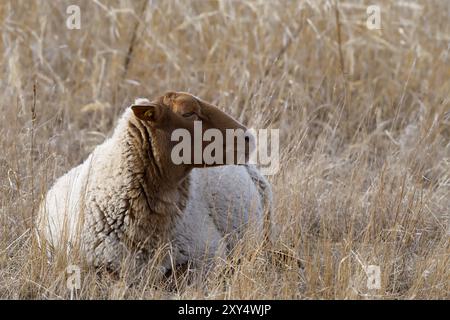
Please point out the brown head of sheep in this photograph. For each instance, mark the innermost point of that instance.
(179, 110)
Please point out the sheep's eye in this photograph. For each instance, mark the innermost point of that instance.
(189, 114)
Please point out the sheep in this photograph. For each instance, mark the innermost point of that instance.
(128, 197)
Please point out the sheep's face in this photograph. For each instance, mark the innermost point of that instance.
(204, 122)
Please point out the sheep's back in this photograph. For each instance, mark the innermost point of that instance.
(224, 202)
(229, 196)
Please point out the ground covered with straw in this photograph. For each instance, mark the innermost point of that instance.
(364, 179)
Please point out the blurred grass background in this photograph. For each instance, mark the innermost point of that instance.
(364, 125)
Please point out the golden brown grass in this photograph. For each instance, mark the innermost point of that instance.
(365, 166)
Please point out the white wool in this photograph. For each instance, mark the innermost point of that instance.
(224, 202)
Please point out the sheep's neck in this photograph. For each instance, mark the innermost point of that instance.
(163, 185)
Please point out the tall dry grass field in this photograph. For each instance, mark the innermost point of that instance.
(364, 135)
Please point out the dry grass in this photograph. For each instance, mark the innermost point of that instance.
(365, 168)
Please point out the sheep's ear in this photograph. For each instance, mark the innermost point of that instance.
(147, 112)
